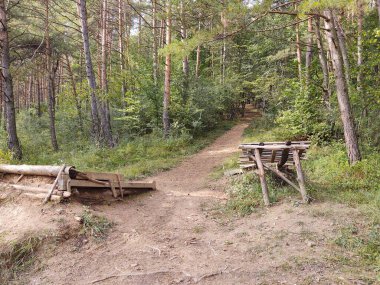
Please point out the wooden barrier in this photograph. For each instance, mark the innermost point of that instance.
(276, 157)
(68, 178)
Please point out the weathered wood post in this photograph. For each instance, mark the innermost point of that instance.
(300, 176)
(264, 186)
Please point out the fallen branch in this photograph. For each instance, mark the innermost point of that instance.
(210, 275)
(131, 274)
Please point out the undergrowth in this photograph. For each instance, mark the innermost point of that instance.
(133, 156)
(329, 178)
(95, 226)
(246, 196)
(18, 256)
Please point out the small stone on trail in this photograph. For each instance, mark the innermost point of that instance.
(311, 244)
(134, 265)
(78, 219)
(60, 211)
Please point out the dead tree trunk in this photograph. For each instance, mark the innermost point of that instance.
(350, 135)
(13, 142)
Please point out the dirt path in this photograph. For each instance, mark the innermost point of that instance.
(169, 237)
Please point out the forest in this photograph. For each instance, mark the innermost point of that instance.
(97, 74)
(136, 86)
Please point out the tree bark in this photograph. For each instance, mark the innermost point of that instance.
(75, 93)
(50, 75)
(299, 53)
(185, 60)
(309, 50)
(224, 48)
(89, 70)
(13, 142)
(39, 95)
(105, 112)
(122, 51)
(154, 43)
(343, 47)
(166, 105)
(324, 65)
(360, 48)
(350, 135)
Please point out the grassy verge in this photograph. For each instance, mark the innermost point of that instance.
(329, 178)
(18, 256)
(133, 157)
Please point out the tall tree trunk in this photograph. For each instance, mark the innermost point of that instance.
(185, 60)
(350, 135)
(122, 51)
(39, 95)
(309, 51)
(360, 48)
(50, 75)
(104, 112)
(165, 116)
(299, 53)
(139, 28)
(13, 142)
(75, 93)
(224, 47)
(378, 9)
(154, 43)
(343, 47)
(198, 58)
(30, 92)
(89, 70)
(324, 65)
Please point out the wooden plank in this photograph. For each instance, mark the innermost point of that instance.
(300, 177)
(283, 177)
(284, 158)
(90, 184)
(273, 157)
(277, 147)
(42, 196)
(48, 196)
(264, 186)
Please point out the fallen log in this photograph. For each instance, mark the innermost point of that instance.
(43, 170)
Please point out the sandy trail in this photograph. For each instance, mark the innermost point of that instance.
(169, 237)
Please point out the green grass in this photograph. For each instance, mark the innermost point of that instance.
(329, 178)
(133, 157)
(95, 226)
(246, 196)
(18, 256)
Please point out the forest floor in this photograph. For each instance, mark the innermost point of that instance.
(176, 235)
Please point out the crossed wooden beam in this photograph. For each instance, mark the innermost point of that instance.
(276, 157)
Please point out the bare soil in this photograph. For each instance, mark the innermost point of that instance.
(171, 236)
